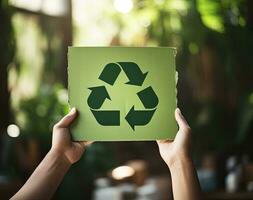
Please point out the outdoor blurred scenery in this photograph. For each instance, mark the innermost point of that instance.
(214, 41)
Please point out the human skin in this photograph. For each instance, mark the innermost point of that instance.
(176, 154)
(48, 175)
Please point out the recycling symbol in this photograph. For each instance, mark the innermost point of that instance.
(99, 94)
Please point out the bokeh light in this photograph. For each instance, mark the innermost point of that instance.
(123, 6)
(13, 130)
(122, 172)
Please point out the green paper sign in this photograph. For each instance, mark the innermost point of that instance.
(122, 93)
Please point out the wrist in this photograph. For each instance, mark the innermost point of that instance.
(60, 156)
(179, 160)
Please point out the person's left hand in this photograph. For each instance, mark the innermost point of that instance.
(179, 149)
(61, 142)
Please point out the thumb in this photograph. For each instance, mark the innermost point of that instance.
(182, 123)
(67, 119)
(86, 143)
(184, 128)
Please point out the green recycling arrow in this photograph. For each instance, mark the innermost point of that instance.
(133, 73)
(97, 97)
(107, 117)
(139, 117)
(99, 94)
(148, 98)
(110, 73)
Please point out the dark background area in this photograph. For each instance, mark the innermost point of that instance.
(214, 41)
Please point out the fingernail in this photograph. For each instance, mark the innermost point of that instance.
(72, 111)
(179, 111)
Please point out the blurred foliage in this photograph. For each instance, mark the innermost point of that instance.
(36, 118)
(7, 42)
(214, 60)
(215, 65)
(245, 119)
(37, 115)
(7, 49)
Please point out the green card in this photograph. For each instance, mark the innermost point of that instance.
(122, 93)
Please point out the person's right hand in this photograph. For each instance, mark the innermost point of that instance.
(172, 151)
(61, 141)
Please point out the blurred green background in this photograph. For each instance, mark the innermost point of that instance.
(214, 39)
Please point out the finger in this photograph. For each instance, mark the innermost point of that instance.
(67, 119)
(86, 143)
(182, 123)
(163, 141)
